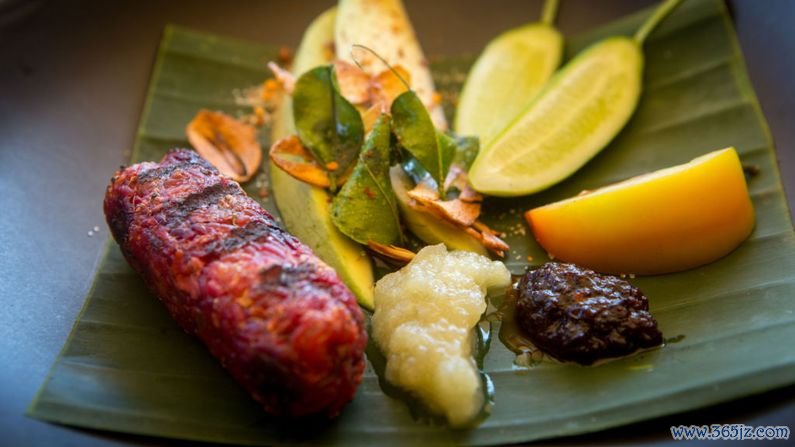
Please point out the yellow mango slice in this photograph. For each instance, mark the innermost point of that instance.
(670, 220)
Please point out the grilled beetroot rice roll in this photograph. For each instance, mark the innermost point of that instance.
(279, 319)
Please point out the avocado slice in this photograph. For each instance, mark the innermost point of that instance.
(305, 208)
(429, 229)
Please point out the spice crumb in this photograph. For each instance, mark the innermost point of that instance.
(751, 170)
(285, 55)
(263, 192)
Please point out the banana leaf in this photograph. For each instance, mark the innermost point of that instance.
(127, 367)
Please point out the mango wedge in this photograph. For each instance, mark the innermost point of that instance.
(670, 220)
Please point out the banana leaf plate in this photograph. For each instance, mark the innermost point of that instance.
(127, 367)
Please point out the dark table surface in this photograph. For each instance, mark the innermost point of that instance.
(73, 75)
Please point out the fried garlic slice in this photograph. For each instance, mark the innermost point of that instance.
(228, 144)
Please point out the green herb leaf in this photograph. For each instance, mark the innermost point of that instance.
(466, 149)
(328, 125)
(365, 208)
(415, 132)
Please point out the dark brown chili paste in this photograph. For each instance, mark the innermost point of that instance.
(575, 314)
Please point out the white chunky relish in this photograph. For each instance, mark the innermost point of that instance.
(423, 321)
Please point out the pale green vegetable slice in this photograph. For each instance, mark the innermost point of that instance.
(384, 27)
(305, 208)
(507, 75)
(577, 114)
(428, 228)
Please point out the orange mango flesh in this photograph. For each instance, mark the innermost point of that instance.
(670, 220)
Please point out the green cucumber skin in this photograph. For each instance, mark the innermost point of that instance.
(609, 128)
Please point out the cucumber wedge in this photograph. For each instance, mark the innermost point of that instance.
(506, 77)
(305, 208)
(384, 27)
(429, 229)
(578, 112)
